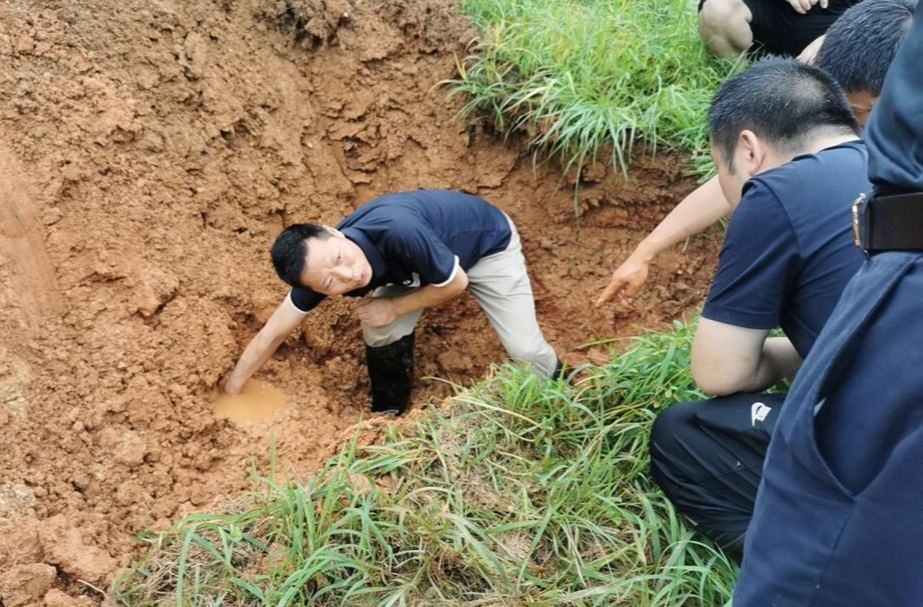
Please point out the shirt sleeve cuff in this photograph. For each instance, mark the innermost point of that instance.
(451, 276)
(288, 298)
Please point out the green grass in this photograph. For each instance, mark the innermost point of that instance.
(587, 79)
(518, 491)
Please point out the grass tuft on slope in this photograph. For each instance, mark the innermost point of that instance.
(586, 79)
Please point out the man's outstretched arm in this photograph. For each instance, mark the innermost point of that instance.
(728, 359)
(263, 345)
(700, 209)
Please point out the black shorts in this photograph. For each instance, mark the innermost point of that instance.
(779, 30)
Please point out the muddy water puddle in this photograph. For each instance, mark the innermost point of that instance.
(257, 402)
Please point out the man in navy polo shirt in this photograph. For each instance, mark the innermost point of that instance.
(402, 253)
(838, 519)
(856, 51)
(788, 156)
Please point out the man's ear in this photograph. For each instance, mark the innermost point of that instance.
(751, 152)
(334, 232)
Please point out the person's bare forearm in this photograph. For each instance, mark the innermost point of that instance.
(263, 346)
(692, 215)
(258, 351)
(696, 212)
(779, 360)
(429, 296)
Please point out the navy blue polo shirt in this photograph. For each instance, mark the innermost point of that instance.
(788, 252)
(416, 238)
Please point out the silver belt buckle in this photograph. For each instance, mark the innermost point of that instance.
(856, 220)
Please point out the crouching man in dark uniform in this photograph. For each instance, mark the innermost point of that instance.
(402, 253)
(838, 520)
(788, 156)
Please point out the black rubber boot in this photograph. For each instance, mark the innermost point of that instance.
(391, 375)
(559, 371)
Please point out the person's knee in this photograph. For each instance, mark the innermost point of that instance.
(376, 337)
(718, 16)
(540, 356)
(378, 340)
(671, 425)
(725, 26)
(676, 443)
(381, 338)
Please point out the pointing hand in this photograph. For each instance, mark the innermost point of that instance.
(626, 281)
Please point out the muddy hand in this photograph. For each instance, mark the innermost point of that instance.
(625, 282)
(376, 312)
(226, 386)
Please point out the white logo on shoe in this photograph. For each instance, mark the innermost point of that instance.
(758, 413)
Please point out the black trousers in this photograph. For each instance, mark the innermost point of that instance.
(707, 457)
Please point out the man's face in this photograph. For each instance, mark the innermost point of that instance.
(335, 265)
(861, 103)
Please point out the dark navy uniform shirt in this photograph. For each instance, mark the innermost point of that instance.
(416, 238)
(838, 520)
(788, 252)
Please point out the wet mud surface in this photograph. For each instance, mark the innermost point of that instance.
(150, 152)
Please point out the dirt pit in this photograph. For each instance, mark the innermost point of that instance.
(150, 152)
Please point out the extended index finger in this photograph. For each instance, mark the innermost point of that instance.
(609, 292)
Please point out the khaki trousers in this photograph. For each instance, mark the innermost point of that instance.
(500, 284)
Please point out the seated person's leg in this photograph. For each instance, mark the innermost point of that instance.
(730, 27)
(725, 26)
(707, 457)
(793, 32)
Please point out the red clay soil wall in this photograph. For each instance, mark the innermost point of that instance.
(150, 152)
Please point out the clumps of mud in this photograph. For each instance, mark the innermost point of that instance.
(310, 23)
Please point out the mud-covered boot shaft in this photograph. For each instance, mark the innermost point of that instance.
(391, 375)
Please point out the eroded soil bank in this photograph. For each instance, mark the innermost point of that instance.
(150, 152)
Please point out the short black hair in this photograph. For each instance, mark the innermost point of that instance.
(861, 44)
(781, 100)
(290, 247)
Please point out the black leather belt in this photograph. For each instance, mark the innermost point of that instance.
(889, 222)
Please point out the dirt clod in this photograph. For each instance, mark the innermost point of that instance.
(74, 553)
(25, 585)
(20, 543)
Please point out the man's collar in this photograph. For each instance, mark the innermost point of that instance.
(379, 268)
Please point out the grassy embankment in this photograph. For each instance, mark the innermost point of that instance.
(517, 491)
(588, 79)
